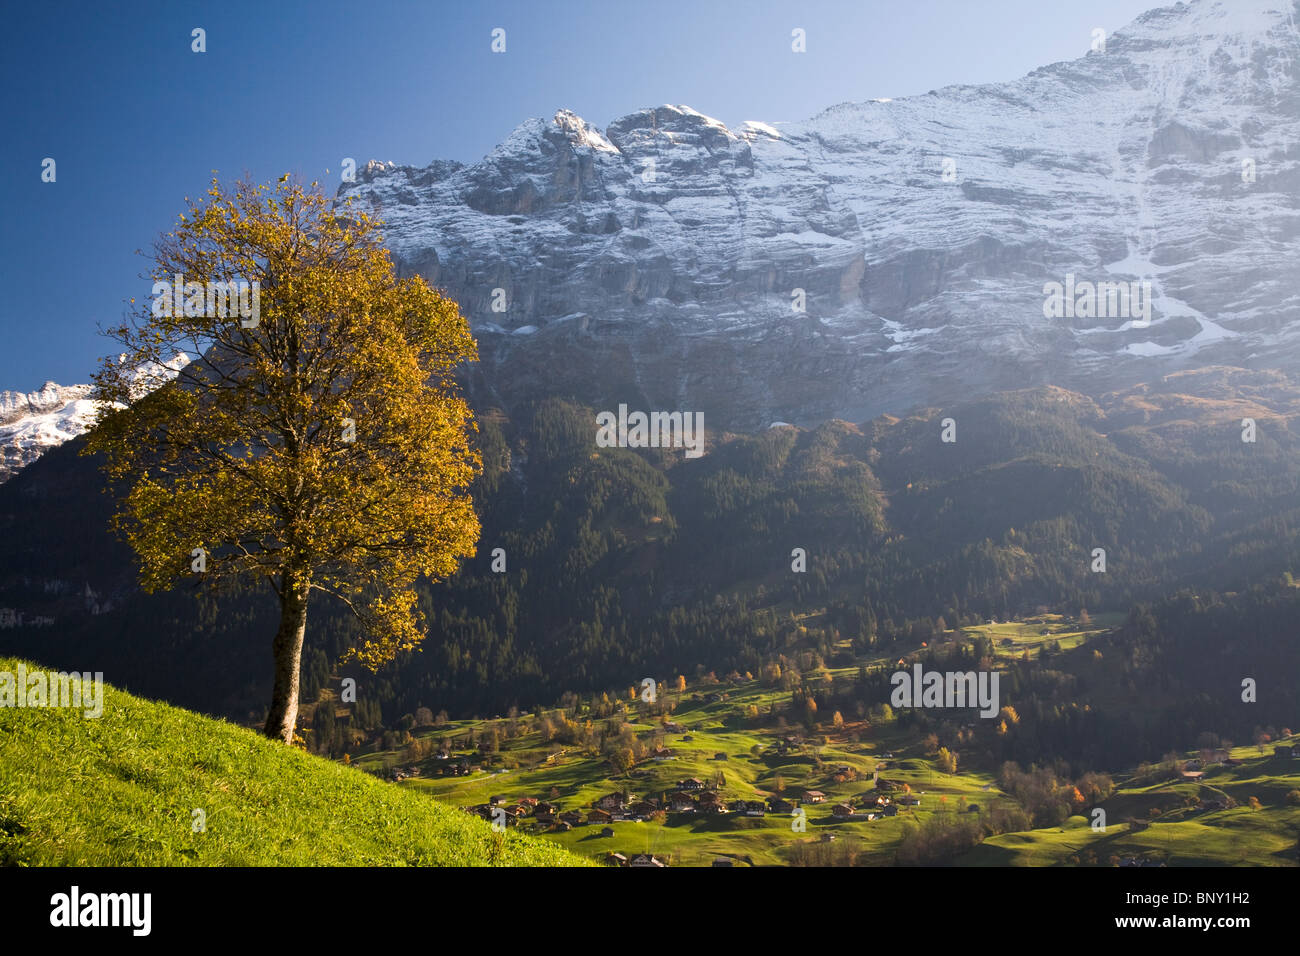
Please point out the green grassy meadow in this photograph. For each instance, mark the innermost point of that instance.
(121, 790)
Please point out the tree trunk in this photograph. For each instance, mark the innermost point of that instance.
(283, 716)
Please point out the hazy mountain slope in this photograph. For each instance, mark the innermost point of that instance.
(620, 560)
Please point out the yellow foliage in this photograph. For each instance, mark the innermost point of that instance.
(246, 455)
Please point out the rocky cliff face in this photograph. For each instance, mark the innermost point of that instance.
(661, 261)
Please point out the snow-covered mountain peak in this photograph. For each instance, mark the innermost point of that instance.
(889, 252)
(582, 133)
(31, 423)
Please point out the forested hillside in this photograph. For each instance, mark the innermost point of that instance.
(621, 564)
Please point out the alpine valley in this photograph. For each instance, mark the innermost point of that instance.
(924, 451)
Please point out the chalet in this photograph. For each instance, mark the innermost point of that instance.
(814, 796)
(616, 859)
(738, 806)
(691, 783)
(646, 860)
(1193, 776)
(688, 739)
(754, 808)
(613, 801)
(890, 811)
(563, 827)
(528, 801)
(778, 805)
(571, 817)
(842, 811)
(1285, 750)
(882, 801)
(600, 816)
(723, 861)
(607, 832)
(673, 728)
(973, 808)
(642, 808)
(544, 816)
(681, 803)
(910, 800)
(496, 801)
(720, 756)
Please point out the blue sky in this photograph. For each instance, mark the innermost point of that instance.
(136, 121)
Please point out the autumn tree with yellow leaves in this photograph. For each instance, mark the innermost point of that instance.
(321, 447)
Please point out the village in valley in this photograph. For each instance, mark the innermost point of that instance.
(738, 771)
(693, 798)
(703, 804)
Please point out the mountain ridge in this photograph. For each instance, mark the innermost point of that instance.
(659, 261)
(656, 261)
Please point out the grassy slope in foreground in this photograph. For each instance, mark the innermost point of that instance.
(121, 790)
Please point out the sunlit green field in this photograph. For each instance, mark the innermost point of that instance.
(122, 790)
